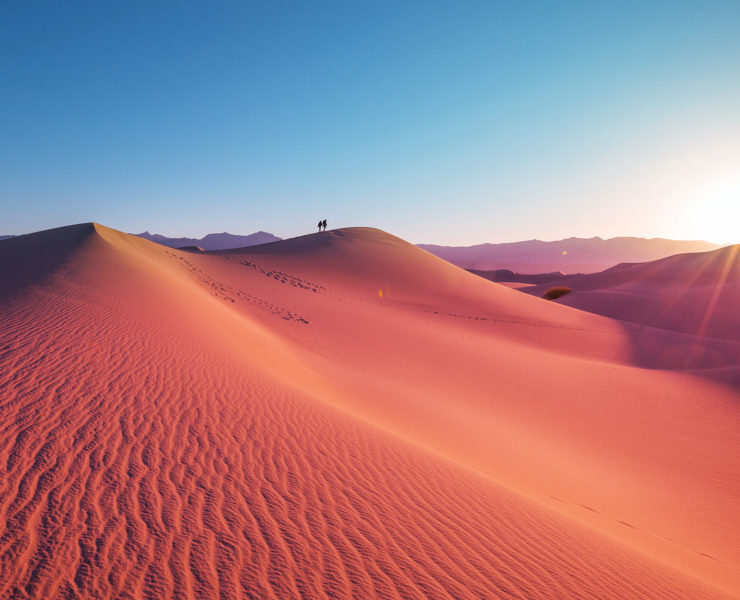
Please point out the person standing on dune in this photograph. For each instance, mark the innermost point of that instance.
(324, 224)
(321, 223)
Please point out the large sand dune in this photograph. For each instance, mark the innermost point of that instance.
(345, 415)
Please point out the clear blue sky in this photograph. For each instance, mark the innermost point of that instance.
(448, 122)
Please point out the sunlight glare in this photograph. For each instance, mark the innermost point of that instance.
(713, 213)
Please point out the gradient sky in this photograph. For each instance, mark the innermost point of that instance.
(443, 122)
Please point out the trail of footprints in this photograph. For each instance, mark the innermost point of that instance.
(228, 293)
(512, 321)
(281, 276)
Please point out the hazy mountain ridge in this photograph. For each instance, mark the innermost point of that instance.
(571, 255)
(5, 237)
(213, 241)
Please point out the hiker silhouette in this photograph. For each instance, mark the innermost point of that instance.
(320, 225)
(324, 224)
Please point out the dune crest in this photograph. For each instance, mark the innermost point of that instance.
(262, 423)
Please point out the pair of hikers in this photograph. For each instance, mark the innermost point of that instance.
(322, 224)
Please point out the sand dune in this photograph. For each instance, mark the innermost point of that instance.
(345, 415)
(697, 293)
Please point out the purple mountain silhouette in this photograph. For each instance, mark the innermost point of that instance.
(213, 241)
(572, 255)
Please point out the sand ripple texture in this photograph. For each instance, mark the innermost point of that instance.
(154, 443)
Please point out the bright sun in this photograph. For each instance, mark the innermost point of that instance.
(713, 214)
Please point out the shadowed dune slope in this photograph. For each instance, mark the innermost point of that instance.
(696, 293)
(266, 424)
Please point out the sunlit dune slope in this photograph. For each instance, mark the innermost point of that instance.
(266, 424)
(697, 293)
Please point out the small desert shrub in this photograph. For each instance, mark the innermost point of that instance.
(556, 292)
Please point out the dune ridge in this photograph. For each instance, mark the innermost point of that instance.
(263, 423)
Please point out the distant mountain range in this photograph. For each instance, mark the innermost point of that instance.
(572, 255)
(213, 241)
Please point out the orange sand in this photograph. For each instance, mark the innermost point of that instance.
(261, 423)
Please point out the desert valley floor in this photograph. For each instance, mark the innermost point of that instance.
(343, 415)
